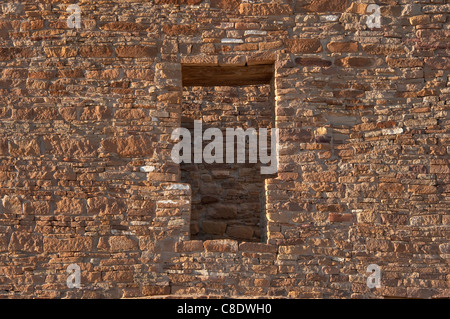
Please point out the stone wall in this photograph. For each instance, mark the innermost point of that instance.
(86, 176)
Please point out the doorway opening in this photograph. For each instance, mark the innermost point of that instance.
(228, 199)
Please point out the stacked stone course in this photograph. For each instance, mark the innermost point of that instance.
(86, 175)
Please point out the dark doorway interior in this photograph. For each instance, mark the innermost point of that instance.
(228, 200)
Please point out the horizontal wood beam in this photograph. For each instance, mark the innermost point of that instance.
(226, 75)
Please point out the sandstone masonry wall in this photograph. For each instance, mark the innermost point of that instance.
(86, 177)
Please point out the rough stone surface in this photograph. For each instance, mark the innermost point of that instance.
(327, 5)
(363, 164)
(303, 45)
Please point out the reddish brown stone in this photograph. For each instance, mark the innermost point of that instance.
(419, 293)
(331, 208)
(3, 146)
(354, 62)
(293, 135)
(28, 242)
(422, 189)
(257, 247)
(103, 74)
(148, 290)
(246, 47)
(118, 276)
(440, 169)
(132, 114)
(265, 9)
(357, 8)
(24, 148)
(140, 74)
(187, 2)
(122, 243)
(4, 239)
(240, 232)
(288, 176)
(303, 45)
(339, 218)
(12, 205)
(61, 52)
(36, 208)
(96, 113)
(363, 156)
(221, 245)
(444, 248)
(379, 245)
(189, 246)
(404, 62)
(131, 146)
(327, 6)
(213, 227)
(70, 206)
(179, 30)
(61, 146)
(320, 177)
(295, 250)
(222, 211)
(391, 11)
(225, 4)
(100, 51)
(78, 244)
(42, 75)
(312, 62)
(391, 187)
(32, 25)
(73, 73)
(12, 53)
(422, 19)
(395, 219)
(136, 51)
(343, 47)
(438, 63)
(123, 26)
